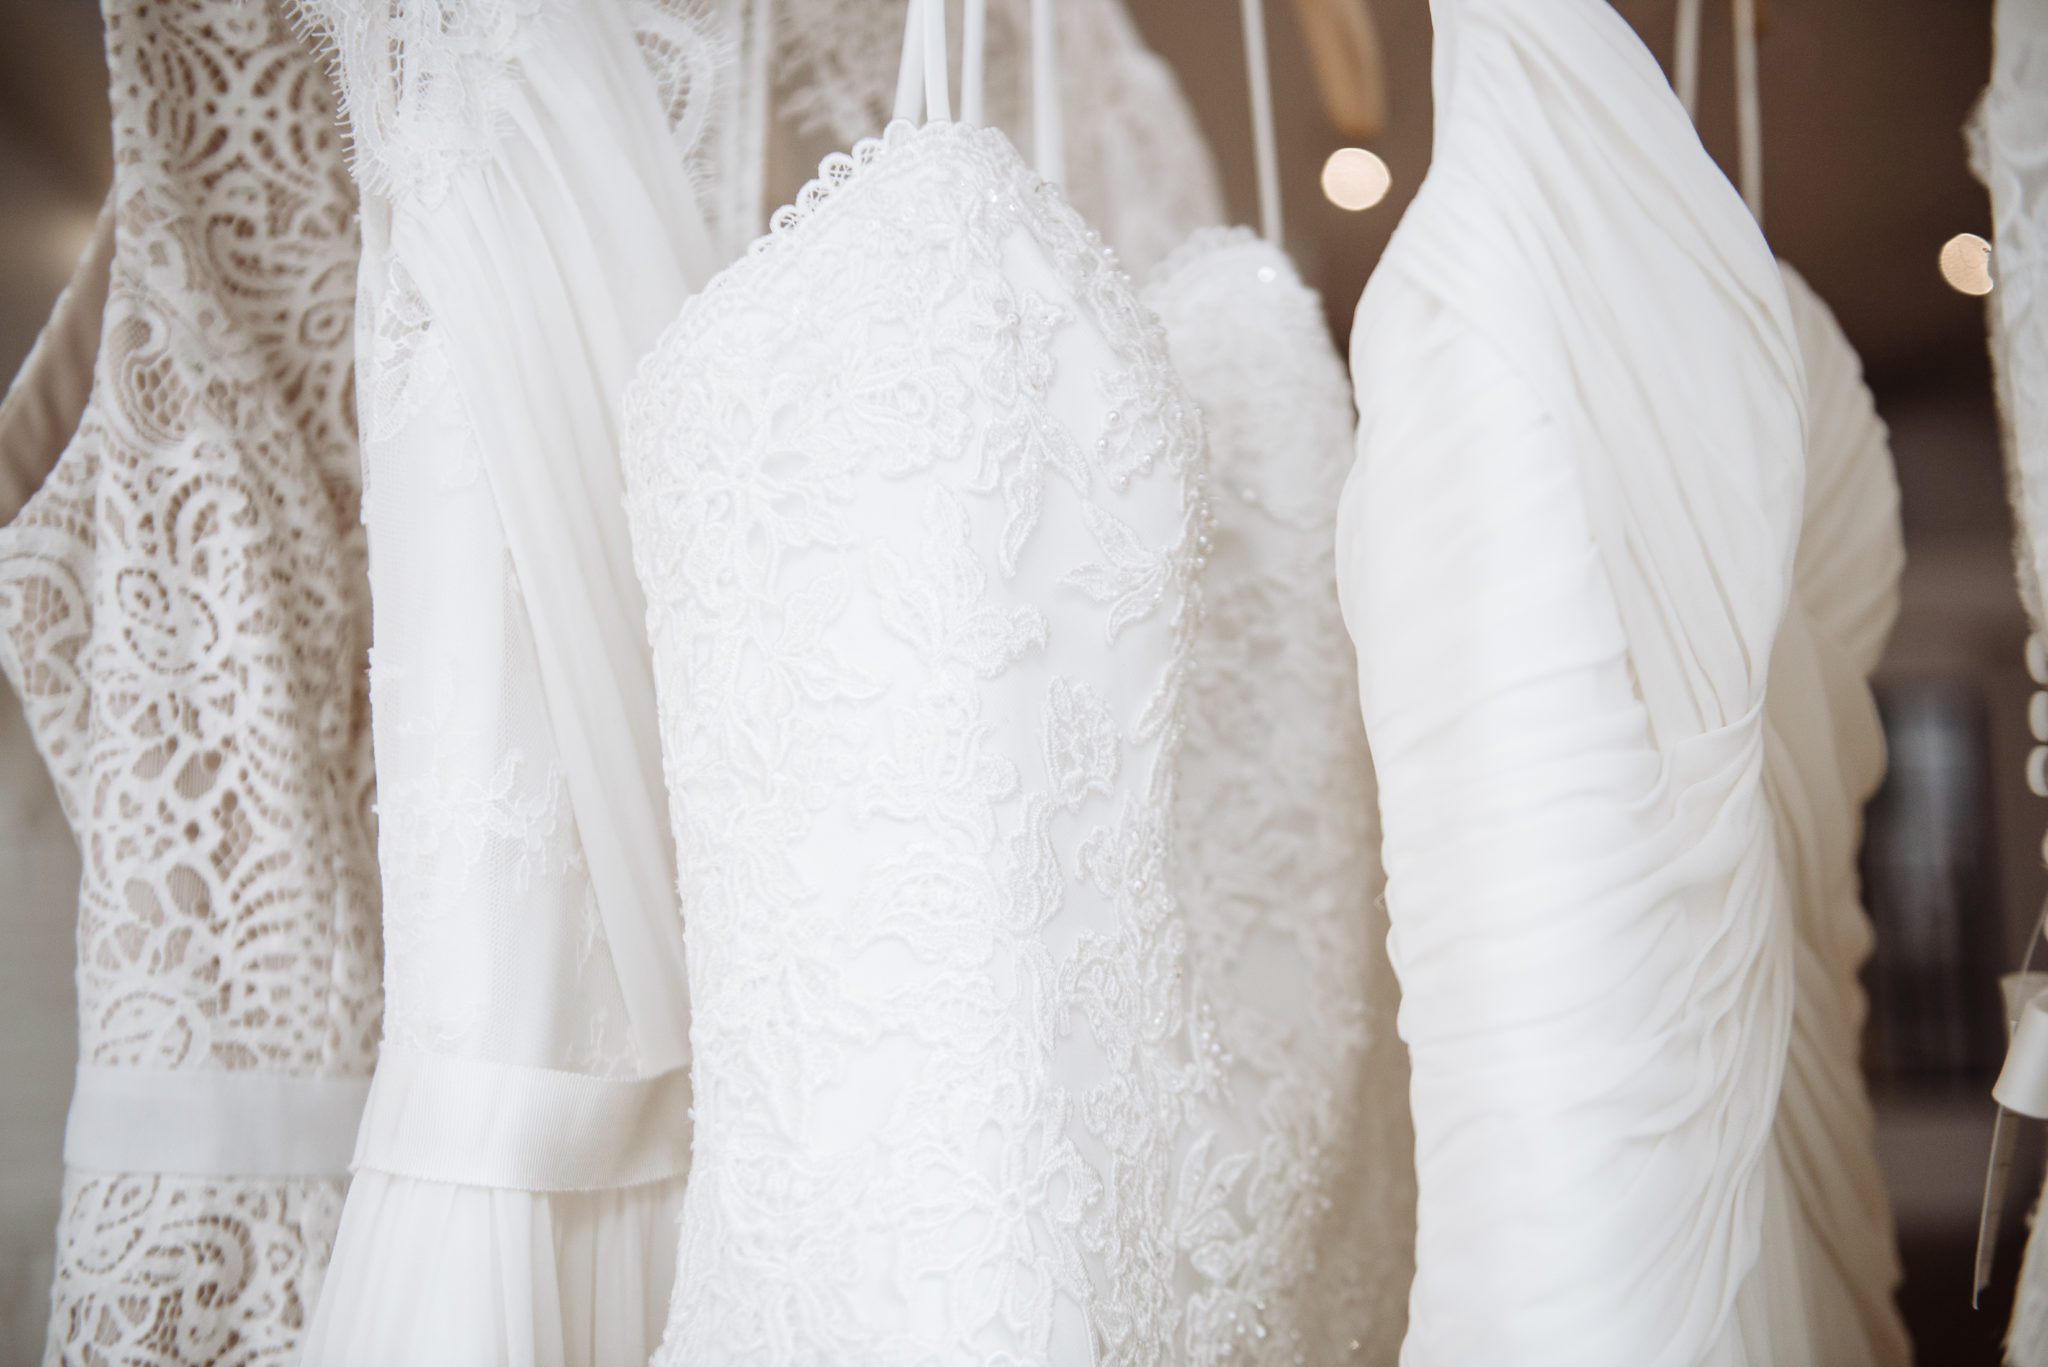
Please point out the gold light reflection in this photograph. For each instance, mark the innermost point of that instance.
(1355, 179)
(1966, 263)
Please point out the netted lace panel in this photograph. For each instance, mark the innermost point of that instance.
(183, 610)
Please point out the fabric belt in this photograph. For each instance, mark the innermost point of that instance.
(212, 1123)
(440, 1118)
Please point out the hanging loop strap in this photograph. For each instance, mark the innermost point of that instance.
(1749, 128)
(1048, 135)
(1685, 79)
(1685, 58)
(1266, 154)
(907, 65)
(973, 61)
(924, 52)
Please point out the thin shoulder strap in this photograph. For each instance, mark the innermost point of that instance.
(1685, 58)
(1749, 122)
(1259, 77)
(924, 50)
(973, 62)
(1685, 79)
(1048, 134)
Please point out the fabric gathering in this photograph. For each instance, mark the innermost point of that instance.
(843, 682)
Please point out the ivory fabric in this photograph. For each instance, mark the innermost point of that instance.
(184, 612)
(1824, 759)
(529, 225)
(1564, 554)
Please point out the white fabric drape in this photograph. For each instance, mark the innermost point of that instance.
(1564, 554)
(530, 223)
(1824, 759)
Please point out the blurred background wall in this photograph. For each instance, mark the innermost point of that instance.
(1865, 178)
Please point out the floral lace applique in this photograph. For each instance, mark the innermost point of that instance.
(921, 611)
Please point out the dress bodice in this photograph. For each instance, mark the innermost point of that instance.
(916, 503)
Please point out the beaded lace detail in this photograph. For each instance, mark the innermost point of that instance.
(918, 511)
(183, 611)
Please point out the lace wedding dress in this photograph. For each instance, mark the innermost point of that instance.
(1564, 554)
(1307, 1249)
(183, 613)
(916, 502)
(529, 225)
(1307, 1255)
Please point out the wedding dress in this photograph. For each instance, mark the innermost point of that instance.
(916, 503)
(1307, 1253)
(529, 225)
(1824, 758)
(1564, 554)
(183, 613)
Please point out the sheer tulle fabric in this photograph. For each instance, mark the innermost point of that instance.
(534, 953)
(522, 1279)
(1563, 554)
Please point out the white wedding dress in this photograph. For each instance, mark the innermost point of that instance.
(1564, 554)
(1308, 1247)
(184, 613)
(1307, 1255)
(916, 502)
(1824, 758)
(529, 225)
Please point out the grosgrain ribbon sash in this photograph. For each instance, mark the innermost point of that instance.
(212, 1123)
(439, 1118)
